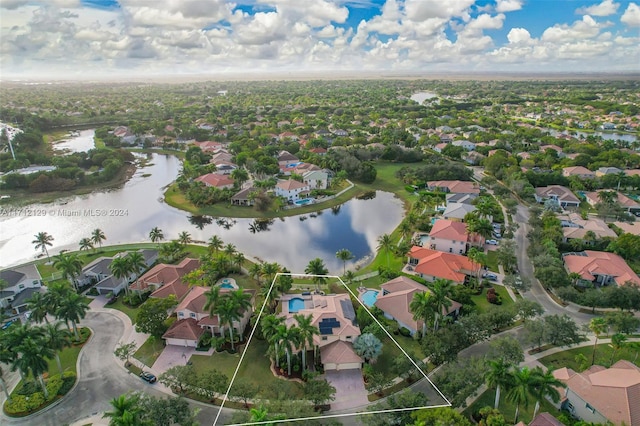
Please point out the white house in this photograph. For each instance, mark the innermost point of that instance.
(316, 179)
(448, 236)
(467, 145)
(291, 189)
(18, 280)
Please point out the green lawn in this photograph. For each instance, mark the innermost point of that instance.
(68, 359)
(130, 312)
(149, 351)
(390, 352)
(255, 366)
(481, 299)
(508, 409)
(604, 353)
(492, 261)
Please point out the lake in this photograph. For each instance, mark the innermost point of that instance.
(82, 142)
(420, 97)
(127, 214)
(604, 135)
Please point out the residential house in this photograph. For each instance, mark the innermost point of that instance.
(243, 197)
(291, 189)
(335, 318)
(629, 228)
(209, 146)
(165, 279)
(556, 148)
(395, 300)
(599, 268)
(603, 171)
(216, 181)
(603, 395)
(473, 158)
(575, 227)
(454, 186)
(457, 211)
(19, 280)
(440, 147)
(223, 168)
(543, 419)
(449, 236)
(562, 195)
(460, 198)
(627, 203)
(579, 171)
(194, 320)
(322, 133)
(288, 135)
(467, 145)
(285, 158)
(632, 172)
(340, 132)
(431, 265)
(319, 151)
(316, 179)
(221, 157)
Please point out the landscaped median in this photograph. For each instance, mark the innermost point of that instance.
(28, 397)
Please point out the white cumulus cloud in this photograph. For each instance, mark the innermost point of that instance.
(606, 8)
(631, 15)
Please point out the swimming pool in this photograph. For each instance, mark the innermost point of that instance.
(296, 304)
(369, 297)
(303, 201)
(226, 285)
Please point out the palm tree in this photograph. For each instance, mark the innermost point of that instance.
(269, 326)
(120, 267)
(242, 301)
(86, 244)
(42, 240)
(212, 296)
(33, 359)
(56, 339)
(72, 308)
(545, 386)
(287, 337)
(479, 258)
(269, 271)
(125, 411)
(238, 260)
(156, 235)
(484, 207)
(385, 243)
(441, 291)
(227, 313)
(240, 176)
(618, 341)
(6, 357)
(349, 276)
(97, 237)
(368, 347)
(39, 304)
(230, 250)
(522, 385)
(184, 237)
(306, 331)
(422, 308)
(607, 197)
(597, 326)
(344, 255)
(317, 268)
(136, 262)
(215, 243)
(498, 375)
(70, 266)
(481, 227)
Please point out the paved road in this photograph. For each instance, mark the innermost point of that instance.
(102, 378)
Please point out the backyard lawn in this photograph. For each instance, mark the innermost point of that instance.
(604, 354)
(149, 351)
(508, 410)
(255, 366)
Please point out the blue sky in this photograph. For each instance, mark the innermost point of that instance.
(162, 37)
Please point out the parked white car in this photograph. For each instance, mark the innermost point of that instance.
(492, 242)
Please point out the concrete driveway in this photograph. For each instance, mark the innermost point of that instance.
(350, 390)
(172, 356)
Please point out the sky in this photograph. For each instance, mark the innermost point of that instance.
(73, 39)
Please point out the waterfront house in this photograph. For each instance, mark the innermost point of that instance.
(243, 197)
(215, 180)
(19, 279)
(316, 179)
(627, 203)
(599, 268)
(165, 279)
(454, 186)
(291, 189)
(432, 264)
(449, 236)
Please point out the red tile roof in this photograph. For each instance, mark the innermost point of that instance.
(184, 329)
(449, 230)
(442, 265)
(601, 263)
(215, 180)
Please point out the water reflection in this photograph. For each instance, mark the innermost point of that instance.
(132, 211)
(82, 141)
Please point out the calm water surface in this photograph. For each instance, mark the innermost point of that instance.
(131, 212)
(82, 142)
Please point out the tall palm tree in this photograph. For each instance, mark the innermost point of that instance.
(385, 243)
(317, 268)
(242, 301)
(288, 337)
(228, 312)
(618, 341)
(498, 376)
(269, 271)
(597, 326)
(479, 258)
(6, 357)
(215, 243)
(230, 250)
(42, 240)
(57, 339)
(70, 266)
(522, 385)
(86, 244)
(545, 386)
(481, 227)
(184, 237)
(306, 331)
(344, 255)
(136, 262)
(40, 305)
(255, 271)
(349, 276)
(33, 359)
(213, 296)
(484, 207)
(156, 235)
(422, 307)
(120, 267)
(238, 260)
(441, 291)
(126, 411)
(269, 326)
(72, 309)
(97, 237)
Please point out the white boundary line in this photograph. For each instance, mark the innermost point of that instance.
(235, 373)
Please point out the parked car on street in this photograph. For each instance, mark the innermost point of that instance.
(8, 323)
(148, 377)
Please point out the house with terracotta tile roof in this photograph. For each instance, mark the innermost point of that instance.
(439, 147)
(221, 157)
(395, 298)
(601, 395)
(209, 146)
(165, 279)
(431, 265)
(449, 236)
(578, 171)
(558, 193)
(215, 180)
(543, 419)
(575, 227)
(600, 268)
(319, 151)
(627, 203)
(454, 186)
(291, 189)
(629, 228)
(632, 172)
(335, 318)
(194, 320)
